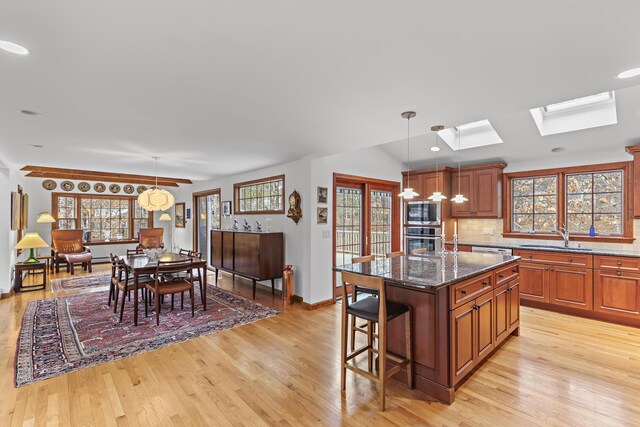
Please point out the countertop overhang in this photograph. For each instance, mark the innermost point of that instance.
(431, 270)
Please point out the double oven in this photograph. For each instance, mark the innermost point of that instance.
(422, 225)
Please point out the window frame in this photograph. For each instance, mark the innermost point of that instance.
(561, 173)
(533, 196)
(78, 201)
(239, 185)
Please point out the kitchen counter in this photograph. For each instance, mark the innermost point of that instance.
(553, 248)
(430, 271)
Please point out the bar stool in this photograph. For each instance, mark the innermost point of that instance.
(394, 254)
(380, 311)
(363, 328)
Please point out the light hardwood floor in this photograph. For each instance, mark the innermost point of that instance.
(285, 371)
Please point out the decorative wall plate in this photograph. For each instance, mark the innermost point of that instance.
(114, 188)
(99, 187)
(141, 189)
(84, 186)
(49, 184)
(67, 185)
(129, 189)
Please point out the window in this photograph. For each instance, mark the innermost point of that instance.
(595, 198)
(260, 196)
(540, 202)
(102, 218)
(66, 208)
(535, 204)
(470, 135)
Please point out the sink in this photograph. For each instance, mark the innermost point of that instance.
(555, 247)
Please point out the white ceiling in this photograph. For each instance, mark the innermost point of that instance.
(204, 84)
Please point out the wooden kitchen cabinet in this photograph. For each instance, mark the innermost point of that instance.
(534, 281)
(426, 181)
(472, 336)
(482, 185)
(571, 287)
(617, 293)
(506, 310)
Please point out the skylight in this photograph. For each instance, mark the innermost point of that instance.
(470, 135)
(576, 114)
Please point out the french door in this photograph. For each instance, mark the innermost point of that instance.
(206, 215)
(366, 220)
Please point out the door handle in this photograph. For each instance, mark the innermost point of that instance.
(463, 292)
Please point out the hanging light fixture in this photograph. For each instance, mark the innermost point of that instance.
(437, 195)
(408, 192)
(156, 199)
(459, 197)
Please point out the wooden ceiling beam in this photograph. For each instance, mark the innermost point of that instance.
(49, 172)
(84, 177)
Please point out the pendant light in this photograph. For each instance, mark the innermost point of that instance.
(408, 192)
(459, 197)
(156, 199)
(437, 196)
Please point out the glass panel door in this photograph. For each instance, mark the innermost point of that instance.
(201, 218)
(381, 226)
(348, 224)
(207, 218)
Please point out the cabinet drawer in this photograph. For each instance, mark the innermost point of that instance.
(507, 273)
(471, 289)
(619, 263)
(557, 258)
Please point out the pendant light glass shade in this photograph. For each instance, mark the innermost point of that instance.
(437, 196)
(459, 197)
(156, 199)
(408, 192)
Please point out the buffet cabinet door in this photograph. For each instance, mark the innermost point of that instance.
(514, 305)
(502, 310)
(463, 340)
(484, 322)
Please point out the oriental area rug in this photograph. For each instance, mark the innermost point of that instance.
(64, 334)
(84, 283)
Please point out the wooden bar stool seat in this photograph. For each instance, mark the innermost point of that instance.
(375, 311)
(364, 327)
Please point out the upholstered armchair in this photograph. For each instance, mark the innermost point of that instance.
(66, 242)
(150, 238)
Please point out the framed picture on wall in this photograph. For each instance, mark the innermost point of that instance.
(226, 208)
(179, 210)
(322, 194)
(16, 202)
(24, 212)
(323, 213)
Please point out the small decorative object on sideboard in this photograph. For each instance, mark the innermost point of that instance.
(322, 194)
(295, 213)
(246, 226)
(258, 226)
(268, 225)
(235, 225)
(323, 213)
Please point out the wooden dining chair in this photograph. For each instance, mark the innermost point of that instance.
(134, 252)
(394, 254)
(188, 275)
(381, 311)
(419, 251)
(174, 285)
(124, 284)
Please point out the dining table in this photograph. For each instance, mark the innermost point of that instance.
(141, 264)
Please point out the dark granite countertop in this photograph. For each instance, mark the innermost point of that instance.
(554, 248)
(430, 271)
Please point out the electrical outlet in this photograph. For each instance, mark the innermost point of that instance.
(488, 231)
(326, 234)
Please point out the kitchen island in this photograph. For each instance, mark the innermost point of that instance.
(465, 306)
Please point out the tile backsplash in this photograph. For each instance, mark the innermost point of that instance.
(473, 231)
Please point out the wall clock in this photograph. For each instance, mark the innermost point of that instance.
(67, 185)
(49, 184)
(99, 187)
(294, 212)
(84, 186)
(129, 189)
(114, 188)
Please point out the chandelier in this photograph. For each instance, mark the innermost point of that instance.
(156, 199)
(437, 196)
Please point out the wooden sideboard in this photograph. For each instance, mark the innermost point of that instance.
(256, 256)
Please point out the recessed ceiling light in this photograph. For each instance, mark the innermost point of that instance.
(629, 73)
(558, 150)
(434, 148)
(37, 146)
(30, 113)
(13, 48)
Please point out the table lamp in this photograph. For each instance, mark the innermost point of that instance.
(44, 217)
(31, 241)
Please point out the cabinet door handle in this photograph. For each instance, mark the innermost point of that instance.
(515, 270)
(530, 256)
(463, 292)
(485, 283)
(546, 269)
(475, 307)
(570, 259)
(551, 269)
(619, 263)
(618, 273)
(501, 276)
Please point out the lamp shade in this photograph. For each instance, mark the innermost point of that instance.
(164, 217)
(156, 199)
(45, 217)
(31, 240)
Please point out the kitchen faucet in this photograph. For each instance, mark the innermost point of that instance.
(562, 231)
